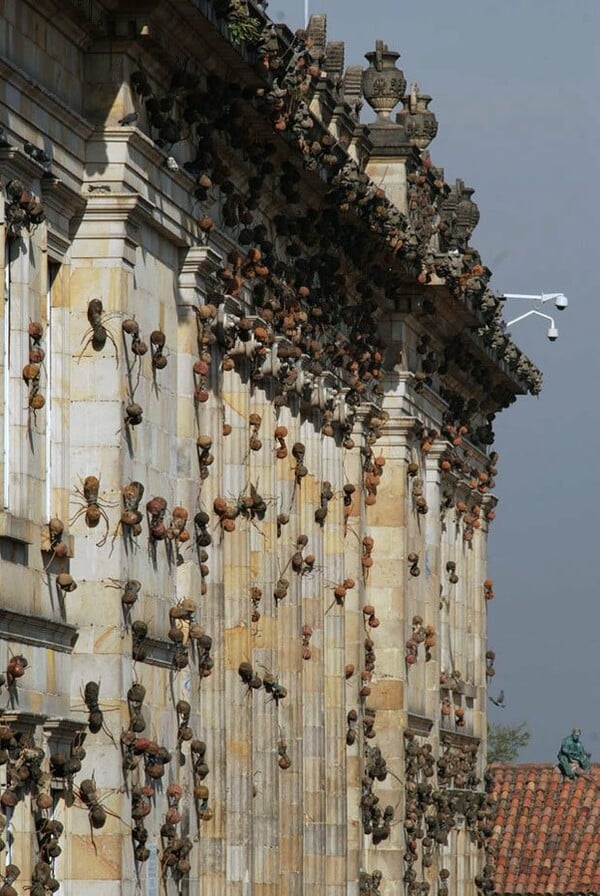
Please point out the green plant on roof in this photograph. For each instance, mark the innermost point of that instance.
(244, 30)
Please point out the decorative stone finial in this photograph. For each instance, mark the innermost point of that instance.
(458, 217)
(352, 88)
(383, 84)
(317, 33)
(334, 59)
(419, 123)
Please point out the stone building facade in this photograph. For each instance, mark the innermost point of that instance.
(249, 366)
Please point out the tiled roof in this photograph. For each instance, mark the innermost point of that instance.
(546, 837)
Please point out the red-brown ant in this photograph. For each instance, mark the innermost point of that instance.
(92, 509)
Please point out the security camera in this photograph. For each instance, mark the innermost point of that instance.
(561, 302)
(552, 334)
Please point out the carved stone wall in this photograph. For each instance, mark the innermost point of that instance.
(245, 478)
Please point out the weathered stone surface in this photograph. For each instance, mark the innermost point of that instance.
(307, 435)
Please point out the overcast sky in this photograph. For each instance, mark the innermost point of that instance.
(515, 87)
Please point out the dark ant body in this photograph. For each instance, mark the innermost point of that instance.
(98, 333)
(89, 797)
(91, 693)
(96, 723)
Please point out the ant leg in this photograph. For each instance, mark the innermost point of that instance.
(111, 339)
(257, 527)
(81, 511)
(87, 342)
(104, 515)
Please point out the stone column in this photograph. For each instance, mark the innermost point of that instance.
(385, 587)
(433, 576)
(103, 260)
(351, 609)
(239, 702)
(335, 833)
(289, 623)
(266, 807)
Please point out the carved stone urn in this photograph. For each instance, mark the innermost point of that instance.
(458, 217)
(419, 123)
(383, 84)
(467, 212)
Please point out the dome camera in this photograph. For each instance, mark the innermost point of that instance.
(552, 334)
(561, 302)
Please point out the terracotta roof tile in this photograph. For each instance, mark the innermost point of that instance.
(546, 833)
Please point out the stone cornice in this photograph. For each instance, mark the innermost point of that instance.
(23, 721)
(462, 309)
(53, 105)
(169, 210)
(437, 450)
(16, 528)
(113, 220)
(112, 206)
(37, 631)
(429, 401)
(420, 725)
(158, 653)
(366, 410)
(399, 427)
(57, 195)
(466, 688)
(80, 20)
(62, 204)
(18, 164)
(457, 739)
(63, 730)
(198, 263)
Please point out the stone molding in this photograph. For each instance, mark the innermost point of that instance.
(54, 106)
(17, 163)
(457, 739)
(61, 204)
(16, 528)
(25, 722)
(112, 216)
(197, 264)
(158, 653)
(37, 631)
(421, 725)
(466, 688)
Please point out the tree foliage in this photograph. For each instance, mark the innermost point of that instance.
(506, 741)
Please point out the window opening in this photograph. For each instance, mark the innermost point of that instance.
(53, 270)
(6, 378)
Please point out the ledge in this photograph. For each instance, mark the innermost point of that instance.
(16, 527)
(15, 159)
(462, 798)
(419, 724)
(23, 721)
(456, 739)
(63, 732)
(37, 631)
(159, 653)
(465, 688)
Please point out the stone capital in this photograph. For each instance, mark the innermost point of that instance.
(196, 265)
(62, 204)
(109, 226)
(396, 436)
(436, 451)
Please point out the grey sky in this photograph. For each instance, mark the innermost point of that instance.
(515, 89)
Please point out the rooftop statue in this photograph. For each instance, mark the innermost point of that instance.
(572, 754)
